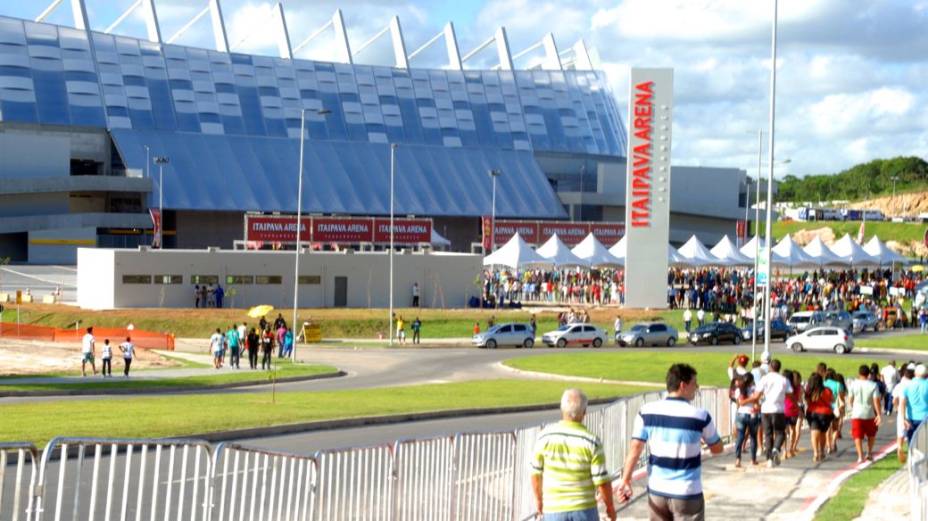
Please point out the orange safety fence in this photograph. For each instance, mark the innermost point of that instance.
(142, 339)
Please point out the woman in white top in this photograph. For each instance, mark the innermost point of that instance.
(907, 372)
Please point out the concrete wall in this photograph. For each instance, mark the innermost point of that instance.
(445, 279)
(33, 155)
(59, 246)
(204, 229)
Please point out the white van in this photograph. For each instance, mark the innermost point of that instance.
(803, 320)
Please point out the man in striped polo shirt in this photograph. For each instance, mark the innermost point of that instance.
(568, 466)
(672, 430)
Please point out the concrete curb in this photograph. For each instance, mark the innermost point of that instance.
(367, 421)
(565, 378)
(879, 350)
(157, 390)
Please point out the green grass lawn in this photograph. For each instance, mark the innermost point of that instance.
(849, 502)
(916, 342)
(652, 367)
(285, 369)
(38, 422)
(902, 232)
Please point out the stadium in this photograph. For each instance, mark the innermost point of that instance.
(90, 121)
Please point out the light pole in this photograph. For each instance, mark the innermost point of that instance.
(771, 151)
(392, 181)
(299, 212)
(760, 160)
(161, 161)
(493, 175)
(895, 208)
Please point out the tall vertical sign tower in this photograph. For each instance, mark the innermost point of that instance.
(647, 187)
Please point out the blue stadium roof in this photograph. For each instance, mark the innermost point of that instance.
(225, 117)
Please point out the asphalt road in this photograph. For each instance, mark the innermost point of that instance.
(41, 280)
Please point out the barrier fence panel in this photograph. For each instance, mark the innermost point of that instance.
(614, 417)
(524, 503)
(424, 479)
(918, 472)
(484, 465)
(116, 479)
(356, 484)
(253, 483)
(18, 473)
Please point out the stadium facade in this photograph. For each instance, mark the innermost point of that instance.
(83, 113)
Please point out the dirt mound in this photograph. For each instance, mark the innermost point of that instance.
(903, 204)
(803, 237)
(26, 357)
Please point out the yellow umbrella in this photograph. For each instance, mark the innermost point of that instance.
(260, 311)
(918, 267)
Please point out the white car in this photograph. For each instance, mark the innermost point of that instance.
(827, 338)
(575, 335)
(519, 335)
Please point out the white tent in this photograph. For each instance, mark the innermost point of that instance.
(852, 253)
(515, 254)
(438, 240)
(878, 249)
(791, 255)
(559, 253)
(823, 254)
(618, 249)
(675, 259)
(748, 251)
(695, 254)
(593, 252)
(728, 252)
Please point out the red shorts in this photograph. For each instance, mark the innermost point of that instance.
(861, 429)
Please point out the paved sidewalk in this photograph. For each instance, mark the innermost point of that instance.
(781, 493)
(890, 500)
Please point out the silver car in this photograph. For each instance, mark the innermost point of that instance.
(864, 320)
(650, 334)
(840, 319)
(510, 334)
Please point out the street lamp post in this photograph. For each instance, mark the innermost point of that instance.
(161, 161)
(895, 207)
(299, 212)
(392, 202)
(760, 160)
(493, 174)
(771, 151)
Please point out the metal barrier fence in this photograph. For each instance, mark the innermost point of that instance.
(918, 472)
(467, 477)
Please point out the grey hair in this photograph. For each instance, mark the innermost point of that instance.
(573, 404)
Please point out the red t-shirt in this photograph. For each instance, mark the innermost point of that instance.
(823, 404)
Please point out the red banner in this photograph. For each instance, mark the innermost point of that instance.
(337, 229)
(276, 228)
(741, 229)
(406, 231)
(486, 223)
(155, 214)
(506, 229)
(570, 233)
(537, 232)
(608, 233)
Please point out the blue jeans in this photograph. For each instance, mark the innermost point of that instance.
(590, 514)
(911, 431)
(747, 426)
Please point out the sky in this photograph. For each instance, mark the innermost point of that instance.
(850, 73)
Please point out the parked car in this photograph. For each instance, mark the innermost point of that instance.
(827, 338)
(802, 320)
(512, 334)
(650, 334)
(840, 319)
(864, 320)
(715, 333)
(778, 329)
(576, 335)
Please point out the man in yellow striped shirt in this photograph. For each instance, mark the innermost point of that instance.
(569, 465)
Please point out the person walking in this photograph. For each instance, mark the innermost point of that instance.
(890, 379)
(106, 355)
(287, 344)
(234, 346)
(839, 392)
(794, 413)
(617, 326)
(252, 341)
(687, 319)
(281, 332)
(196, 296)
(415, 294)
(864, 400)
(416, 329)
(908, 374)
(672, 430)
(128, 352)
(915, 402)
(88, 352)
(819, 413)
(534, 324)
(700, 317)
(747, 416)
(216, 342)
(772, 391)
(401, 330)
(267, 349)
(568, 467)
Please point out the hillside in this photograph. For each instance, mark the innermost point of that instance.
(903, 238)
(865, 180)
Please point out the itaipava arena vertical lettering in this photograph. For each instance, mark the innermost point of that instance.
(641, 155)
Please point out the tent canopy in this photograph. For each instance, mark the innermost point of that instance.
(696, 254)
(823, 254)
(515, 254)
(438, 240)
(593, 251)
(852, 253)
(559, 253)
(791, 255)
(618, 249)
(728, 253)
(878, 249)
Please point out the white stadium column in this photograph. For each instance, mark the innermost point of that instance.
(283, 34)
(219, 26)
(151, 21)
(341, 37)
(502, 49)
(451, 43)
(552, 58)
(399, 45)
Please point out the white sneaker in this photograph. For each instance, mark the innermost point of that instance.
(776, 458)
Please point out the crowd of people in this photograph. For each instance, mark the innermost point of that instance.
(240, 340)
(771, 402)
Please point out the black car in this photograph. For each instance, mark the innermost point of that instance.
(778, 329)
(716, 333)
